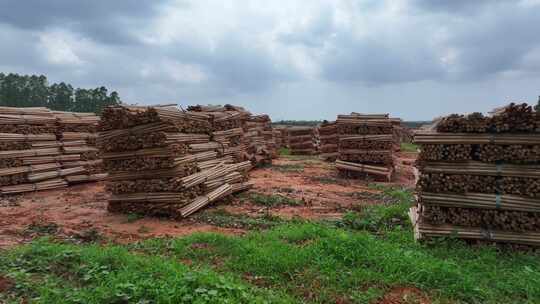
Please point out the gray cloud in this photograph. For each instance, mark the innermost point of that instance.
(102, 20)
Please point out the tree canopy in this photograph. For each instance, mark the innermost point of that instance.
(34, 91)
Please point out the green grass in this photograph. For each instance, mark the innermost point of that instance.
(357, 260)
(288, 168)
(284, 151)
(222, 218)
(408, 147)
(274, 200)
(45, 272)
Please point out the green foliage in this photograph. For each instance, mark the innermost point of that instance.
(34, 91)
(284, 151)
(393, 212)
(222, 218)
(288, 168)
(274, 200)
(407, 147)
(327, 265)
(45, 272)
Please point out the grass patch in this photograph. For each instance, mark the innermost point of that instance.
(288, 168)
(133, 217)
(274, 200)
(222, 218)
(284, 151)
(321, 264)
(408, 147)
(45, 272)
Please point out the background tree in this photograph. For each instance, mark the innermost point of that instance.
(34, 91)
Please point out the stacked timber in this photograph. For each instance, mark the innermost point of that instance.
(328, 141)
(162, 161)
(302, 140)
(284, 130)
(278, 139)
(366, 145)
(30, 155)
(402, 133)
(77, 134)
(260, 137)
(227, 131)
(479, 177)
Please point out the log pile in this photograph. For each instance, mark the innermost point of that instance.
(366, 144)
(77, 133)
(35, 156)
(329, 141)
(302, 140)
(479, 177)
(262, 147)
(175, 162)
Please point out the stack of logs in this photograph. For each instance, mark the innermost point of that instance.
(78, 134)
(480, 177)
(366, 145)
(302, 140)
(34, 154)
(262, 147)
(167, 162)
(329, 141)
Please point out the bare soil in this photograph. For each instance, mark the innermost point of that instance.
(405, 295)
(79, 212)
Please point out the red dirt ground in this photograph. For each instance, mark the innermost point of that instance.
(405, 295)
(81, 210)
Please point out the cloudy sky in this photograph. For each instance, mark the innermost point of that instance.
(294, 59)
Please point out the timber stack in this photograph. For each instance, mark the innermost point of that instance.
(77, 135)
(302, 140)
(366, 145)
(163, 161)
(259, 134)
(278, 139)
(480, 177)
(329, 140)
(30, 154)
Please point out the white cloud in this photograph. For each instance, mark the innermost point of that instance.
(59, 48)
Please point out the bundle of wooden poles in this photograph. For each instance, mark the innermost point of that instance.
(77, 133)
(329, 141)
(164, 161)
(284, 130)
(366, 144)
(302, 140)
(479, 177)
(262, 147)
(34, 154)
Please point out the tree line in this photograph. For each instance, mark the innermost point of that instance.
(34, 91)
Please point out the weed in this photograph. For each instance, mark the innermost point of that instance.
(274, 200)
(45, 272)
(288, 168)
(41, 229)
(133, 217)
(408, 147)
(284, 151)
(379, 218)
(324, 179)
(322, 264)
(222, 218)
